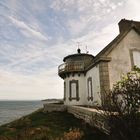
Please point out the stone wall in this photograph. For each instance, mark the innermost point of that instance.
(91, 116)
(104, 80)
(54, 107)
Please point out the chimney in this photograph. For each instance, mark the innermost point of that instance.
(126, 24)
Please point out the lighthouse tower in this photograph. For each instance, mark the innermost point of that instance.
(73, 71)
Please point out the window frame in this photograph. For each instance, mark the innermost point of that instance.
(77, 90)
(64, 91)
(132, 56)
(89, 81)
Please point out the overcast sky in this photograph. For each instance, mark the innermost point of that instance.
(35, 35)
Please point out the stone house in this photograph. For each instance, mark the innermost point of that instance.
(87, 78)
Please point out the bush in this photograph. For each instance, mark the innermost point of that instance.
(124, 99)
(72, 134)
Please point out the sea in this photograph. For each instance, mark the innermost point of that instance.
(12, 110)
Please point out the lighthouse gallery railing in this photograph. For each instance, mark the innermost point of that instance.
(71, 67)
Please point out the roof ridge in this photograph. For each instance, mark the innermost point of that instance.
(115, 41)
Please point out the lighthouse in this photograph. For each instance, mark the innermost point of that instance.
(73, 72)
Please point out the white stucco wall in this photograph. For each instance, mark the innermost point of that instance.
(94, 73)
(82, 90)
(120, 55)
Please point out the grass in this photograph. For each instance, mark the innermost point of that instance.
(49, 126)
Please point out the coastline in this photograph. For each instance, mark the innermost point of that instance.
(49, 125)
(11, 110)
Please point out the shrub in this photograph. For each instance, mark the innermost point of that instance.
(124, 99)
(72, 134)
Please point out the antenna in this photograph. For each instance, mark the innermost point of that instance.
(78, 44)
(87, 50)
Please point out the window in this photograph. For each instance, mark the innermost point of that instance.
(89, 86)
(64, 91)
(74, 90)
(136, 58)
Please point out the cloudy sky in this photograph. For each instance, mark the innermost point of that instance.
(35, 35)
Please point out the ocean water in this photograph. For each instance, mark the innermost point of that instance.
(11, 110)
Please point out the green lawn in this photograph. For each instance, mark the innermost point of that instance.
(49, 126)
